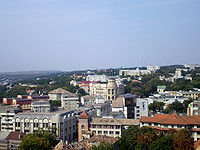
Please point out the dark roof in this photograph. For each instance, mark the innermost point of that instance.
(128, 95)
(15, 135)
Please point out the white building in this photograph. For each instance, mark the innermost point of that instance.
(141, 108)
(70, 102)
(108, 90)
(101, 78)
(63, 123)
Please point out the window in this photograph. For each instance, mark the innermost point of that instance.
(35, 124)
(105, 132)
(94, 132)
(116, 132)
(111, 132)
(45, 125)
(111, 127)
(26, 124)
(82, 127)
(99, 132)
(117, 127)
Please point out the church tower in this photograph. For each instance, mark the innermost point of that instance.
(83, 126)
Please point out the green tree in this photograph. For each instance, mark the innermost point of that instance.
(103, 146)
(182, 140)
(175, 107)
(162, 143)
(141, 146)
(129, 138)
(156, 106)
(146, 135)
(40, 140)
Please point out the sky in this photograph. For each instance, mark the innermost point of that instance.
(97, 34)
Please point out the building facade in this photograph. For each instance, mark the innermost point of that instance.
(164, 122)
(109, 91)
(63, 123)
(102, 126)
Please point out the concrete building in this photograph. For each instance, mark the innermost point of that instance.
(41, 106)
(141, 108)
(109, 91)
(63, 123)
(164, 122)
(103, 109)
(70, 102)
(57, 94)
(132, 107)
(190, 94)
(10, 140)
(193, 108)
(101, 78)
(7, 114)
(111, 127)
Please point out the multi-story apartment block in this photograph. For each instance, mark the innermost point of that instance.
(112, 127)
(132, 107)
(191, 94)
(7, 114)
(70, 102)
(164, 122)
(193, 108)
(63, 123)
(141, 108)
(109, 91)
(57, 94)
(41, 106)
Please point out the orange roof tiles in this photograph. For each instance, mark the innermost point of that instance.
(83, 115)
(172, 119)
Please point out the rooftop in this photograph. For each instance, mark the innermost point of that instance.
(83, 115)
(172, 119)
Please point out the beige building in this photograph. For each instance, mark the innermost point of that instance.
(109, 90)
(61, 122)
(111, 127)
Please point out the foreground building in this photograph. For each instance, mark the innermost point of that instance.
(10, 140)
(111, 127)
(164, 122)
(63, 123)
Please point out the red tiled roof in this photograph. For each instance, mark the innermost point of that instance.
(172, 119)
(163, 129)
(83, 115)
(15, 135)
(197, 144)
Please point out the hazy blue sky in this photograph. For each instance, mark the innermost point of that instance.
(82, 34)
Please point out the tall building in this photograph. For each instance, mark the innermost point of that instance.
(109, 91)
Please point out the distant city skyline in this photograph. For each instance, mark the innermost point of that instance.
(78, 35)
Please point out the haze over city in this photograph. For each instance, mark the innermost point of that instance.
(85, 34)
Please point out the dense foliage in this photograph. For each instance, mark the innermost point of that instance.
(103, 146)
(147, 138)
(44, 140)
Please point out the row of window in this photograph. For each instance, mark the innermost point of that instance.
(106, 132)
(27, 124)
(106, 126)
